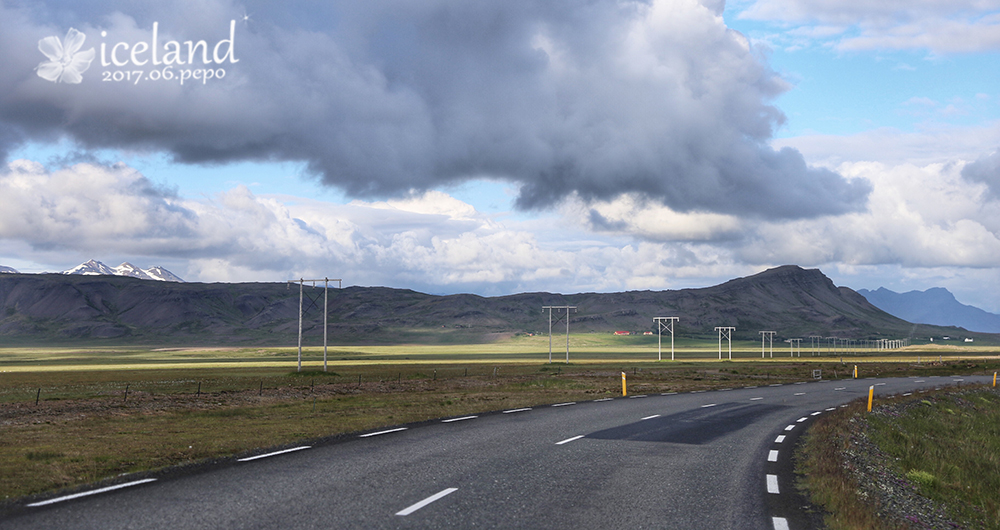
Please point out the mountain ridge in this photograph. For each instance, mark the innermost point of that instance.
(793, 301)
(96, 268)
(936, 305)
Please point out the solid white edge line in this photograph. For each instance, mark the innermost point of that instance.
(516, 410)
(382, 432)
(650, 417)
(779, 439)
(564, 404)
(437, 496)
(283, 451)
(772, 484)
(92, 492)
(463, 418)
(772, 455)
(780, 523)
(568, 440)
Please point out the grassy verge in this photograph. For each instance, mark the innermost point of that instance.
(930, 460)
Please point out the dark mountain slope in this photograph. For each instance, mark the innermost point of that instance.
(61, 308)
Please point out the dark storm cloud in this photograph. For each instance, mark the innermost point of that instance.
(987, 171)
(381, 97)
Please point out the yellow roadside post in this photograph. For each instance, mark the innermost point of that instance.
(871, 394)
(855, 371)
(994, 379)
(623, 384)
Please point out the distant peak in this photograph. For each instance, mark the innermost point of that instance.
(94, 267)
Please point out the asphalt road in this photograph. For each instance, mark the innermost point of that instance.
(710, 460)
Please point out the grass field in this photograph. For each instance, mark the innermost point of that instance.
(72, 416)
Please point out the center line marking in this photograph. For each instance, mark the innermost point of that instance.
(516, 410)
(779, 439)
(756, 399)
(651, 417)
(780, 523)
(772, 484)
(93, 492)
(568, 440)
(564, 404)
(772, 456)
(437, 496)
(382, 432)
(283, 451)
(463, 418)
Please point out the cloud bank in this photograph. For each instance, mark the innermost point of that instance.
(658, 99)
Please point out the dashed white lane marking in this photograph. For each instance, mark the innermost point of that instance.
(907, 394)
(780, 523)
(817, 413)
(651, 417)
(283, 451)
(772, 456)
(772, 484)
(382, 432)
(564, 404)
(605, 399)
(879, 384)
(697, 391)
(801, 383)
(511, 411)
(637, 397)
(668, 394)
(463, 418)
(831, 408)
(776, 384)
(779, 439)
(756, 399)
(437, 496)
(568, 440)
(749, 387)
(92, 492)
(802, 419)
(843, 406)
(839, 388)
(921, 381)
(790, 427)
(709, 405)
(800, 393)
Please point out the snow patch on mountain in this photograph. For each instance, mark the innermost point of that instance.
(96, 268)
(7, 270)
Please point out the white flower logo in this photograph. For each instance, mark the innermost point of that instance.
(66, 62)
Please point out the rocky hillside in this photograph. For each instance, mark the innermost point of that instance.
(61, 308)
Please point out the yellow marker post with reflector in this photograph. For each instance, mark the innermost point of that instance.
(871, 394)
(994, 379)
(855, 371)
(623, 384)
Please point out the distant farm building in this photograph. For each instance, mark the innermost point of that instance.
(623, 333)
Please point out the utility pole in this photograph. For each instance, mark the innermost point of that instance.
(326, 320)
(770, 336)
(727, 332)
(664, 323)
(550, 308)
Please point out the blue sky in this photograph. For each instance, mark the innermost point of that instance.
(503, 147)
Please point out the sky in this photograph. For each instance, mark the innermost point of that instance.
(504, 147)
